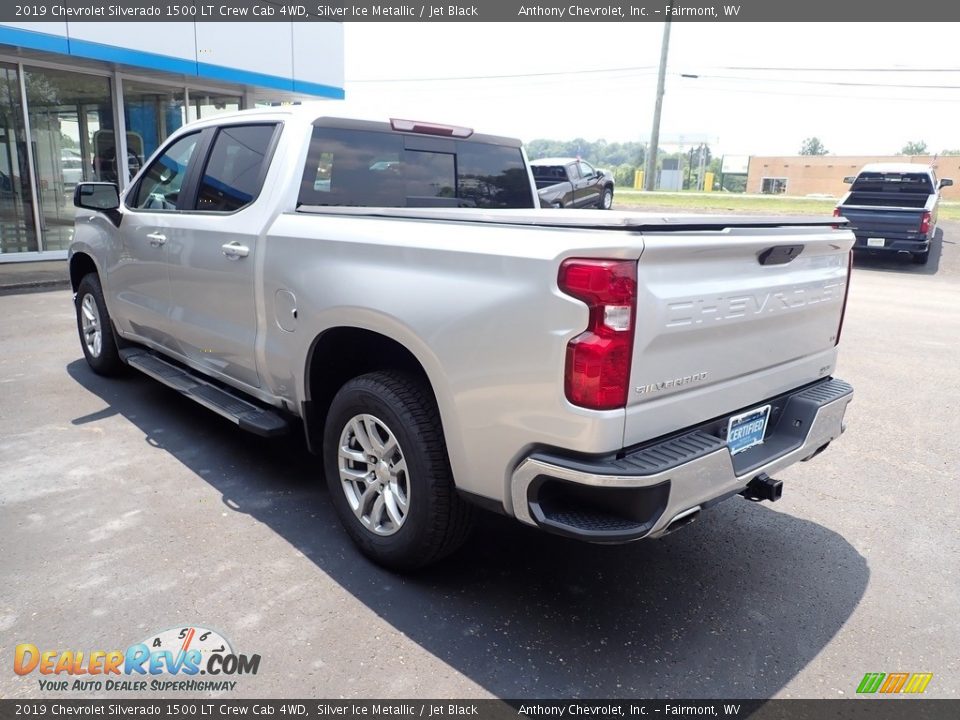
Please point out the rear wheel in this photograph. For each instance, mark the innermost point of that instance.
(386, 466)
(920, 258)
(96, 331)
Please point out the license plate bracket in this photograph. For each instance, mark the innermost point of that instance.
(747, 429)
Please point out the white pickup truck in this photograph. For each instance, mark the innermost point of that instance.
(444, 344)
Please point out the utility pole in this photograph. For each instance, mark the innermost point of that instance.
(649, 178)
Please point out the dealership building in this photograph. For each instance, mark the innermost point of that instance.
(92, 101)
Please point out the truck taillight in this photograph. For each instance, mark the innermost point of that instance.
(837, 213)
(925, 223)
(597, 373)
(846, 294)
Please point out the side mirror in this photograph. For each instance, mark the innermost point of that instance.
(946, 182)
(849, 179)
(98, 196)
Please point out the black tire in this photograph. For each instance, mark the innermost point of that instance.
(436, 521)
(920, 258)
(107, 362)
(606, 199)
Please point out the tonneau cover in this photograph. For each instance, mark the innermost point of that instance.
(592, 219)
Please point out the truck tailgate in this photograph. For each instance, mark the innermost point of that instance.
(883, 221)
(721, 328)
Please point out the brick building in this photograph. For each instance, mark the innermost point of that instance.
(802, 175)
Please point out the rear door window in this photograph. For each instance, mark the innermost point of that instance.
(235, 170)
(364, 168)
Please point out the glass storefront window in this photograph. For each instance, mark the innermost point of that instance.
(17, 231)
(205, 104)
(71, 122)
(73, 139)
(152, 114)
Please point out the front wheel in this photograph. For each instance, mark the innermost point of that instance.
(606, 199)
(96, 331)
(387, 470)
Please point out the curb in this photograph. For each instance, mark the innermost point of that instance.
(35, 285)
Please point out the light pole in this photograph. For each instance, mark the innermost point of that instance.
(649, 178)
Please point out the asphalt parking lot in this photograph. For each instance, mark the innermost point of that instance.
(126, 509)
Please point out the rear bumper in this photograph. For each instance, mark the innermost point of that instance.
(650, 490)
(892, 243)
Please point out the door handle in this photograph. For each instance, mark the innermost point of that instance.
(157, 239)
(235, 251)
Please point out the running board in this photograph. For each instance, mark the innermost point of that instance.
(250, 417)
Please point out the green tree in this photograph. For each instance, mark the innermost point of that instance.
(950, 152)
(600, 153)
(735, 183)
(623, 175)
(914, 148)
(813, 146)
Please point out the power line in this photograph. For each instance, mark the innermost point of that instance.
(839, 69)
(833, 83)
(648, 68)
(833, 96)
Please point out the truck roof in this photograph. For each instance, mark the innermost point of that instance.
(554, 161)
(318, 113)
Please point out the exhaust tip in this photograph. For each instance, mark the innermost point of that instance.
(763, 487)
(682, 519)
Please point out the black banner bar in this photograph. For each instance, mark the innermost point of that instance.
(481, 10)
(863, 708)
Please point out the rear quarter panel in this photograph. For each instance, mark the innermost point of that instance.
(477, 304)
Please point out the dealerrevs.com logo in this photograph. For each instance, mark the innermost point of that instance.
(171, 660)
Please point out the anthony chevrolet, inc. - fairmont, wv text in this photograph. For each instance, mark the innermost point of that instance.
(626, 11)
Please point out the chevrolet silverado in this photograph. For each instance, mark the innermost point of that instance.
(892, 208)
(392, 290)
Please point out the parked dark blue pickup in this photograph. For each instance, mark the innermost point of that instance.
(892, 208)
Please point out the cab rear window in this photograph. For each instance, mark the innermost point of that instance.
(363, 168)
(893, 182)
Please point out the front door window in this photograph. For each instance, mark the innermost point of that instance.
(160, 187)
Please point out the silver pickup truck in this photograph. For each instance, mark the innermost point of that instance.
(445, 345)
